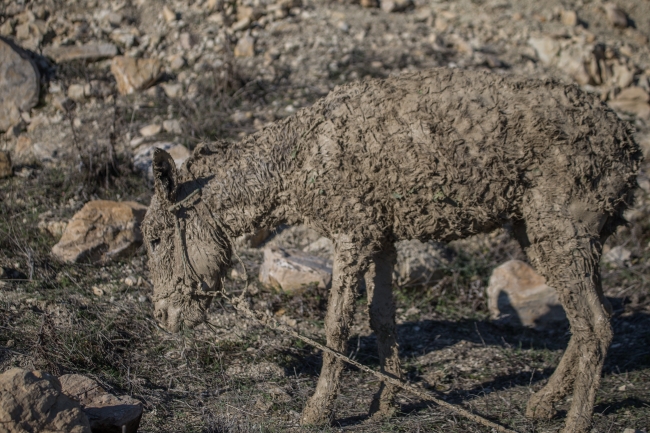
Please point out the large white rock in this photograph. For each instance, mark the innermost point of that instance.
(293, 270)
(106, 412)
(518, 295)
(32, 401)
(100, 231)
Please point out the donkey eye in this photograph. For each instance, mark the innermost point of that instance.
(154, 244)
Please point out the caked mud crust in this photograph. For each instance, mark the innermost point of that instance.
(441, 154)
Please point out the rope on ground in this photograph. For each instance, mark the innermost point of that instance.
(270, 322)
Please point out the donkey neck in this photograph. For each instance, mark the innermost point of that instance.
(244, 184)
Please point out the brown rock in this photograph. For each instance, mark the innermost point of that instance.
(519, 296)
(107, 413)
(5, 165)
(32, 401)
(169, 14)
(633, 100)
(369, 3)
(615, 15)
(92, 51)
(569, 18)
(293, 270)
(135, 74)
(19, 84)
(100, 231)
(245, 47)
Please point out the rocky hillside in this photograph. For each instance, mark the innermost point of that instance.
(88, 88)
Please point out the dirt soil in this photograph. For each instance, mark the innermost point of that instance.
(231, 375)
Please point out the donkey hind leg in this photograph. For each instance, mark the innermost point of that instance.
(381, 309)
(570, 264)
(339, 316)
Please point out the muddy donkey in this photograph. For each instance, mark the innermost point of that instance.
(436, 155)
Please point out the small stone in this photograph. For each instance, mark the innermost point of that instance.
(76, 92)
(343, 26)
(245, 47)
(293, 270)
(187, 41)
(615, 15)
(211, 5)
(142, 298)
(98, 291)
(173, 126)
(106, 412)
(369, 3)
(135, 74)
(172, 90)
(518, 295)
(633, 100)
(242, 24)
(33, 401)
(569, 18)
(130, 281)
(546, 47)
(622, 388)
(623, 76)
(7, 28)
(143, 158)
(216, 18)
(247, 12)
(63, 103)
(176, 62)
(618, 257)
(19, 84)
(395, 5)
(169, 14)
(5, 165)
(150, 130)
(90, 52)
(102, 230)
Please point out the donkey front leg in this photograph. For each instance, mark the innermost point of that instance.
(340, 311)
(381, 309)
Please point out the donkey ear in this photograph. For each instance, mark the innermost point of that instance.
(164, 175)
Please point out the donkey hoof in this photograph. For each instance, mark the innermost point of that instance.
(314, 417)
(381, 409)
(537, 408)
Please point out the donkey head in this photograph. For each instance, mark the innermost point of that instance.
(188, 253)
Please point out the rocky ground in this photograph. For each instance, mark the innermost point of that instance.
(100, 83)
